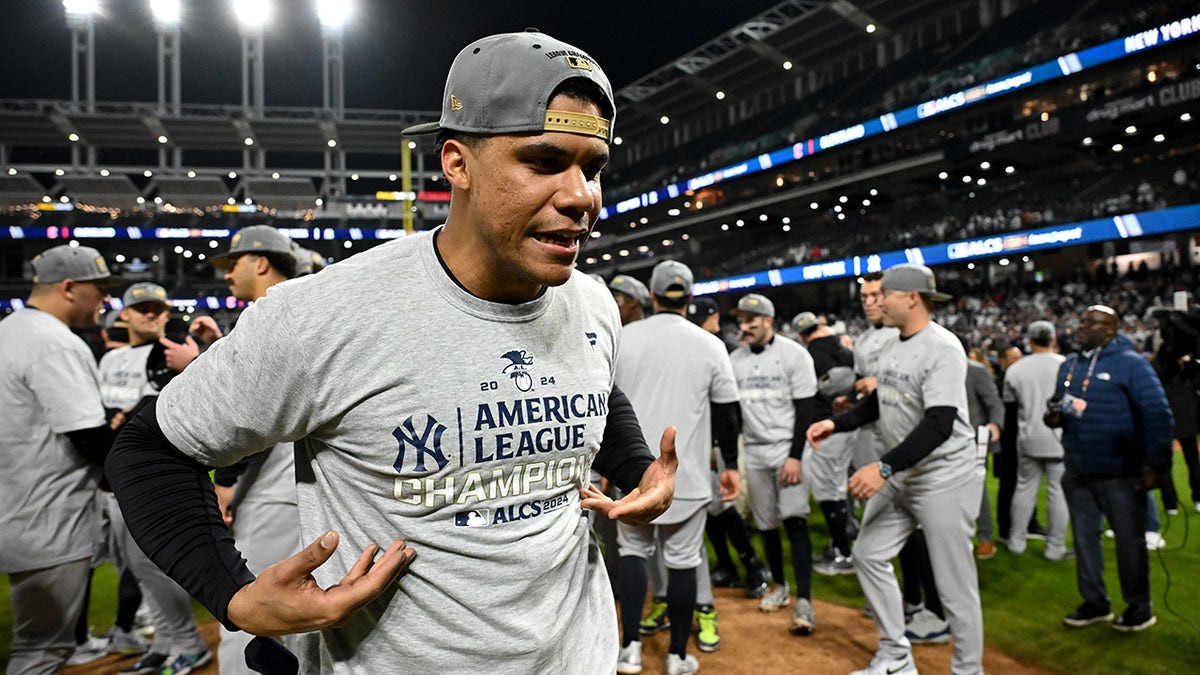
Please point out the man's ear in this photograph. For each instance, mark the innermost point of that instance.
(262, 266)
(457, 159)
(67, 289)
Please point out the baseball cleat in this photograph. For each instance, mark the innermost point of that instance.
(777, 597)
(657, 620)
(804, 620)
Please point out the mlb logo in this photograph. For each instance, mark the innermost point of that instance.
(475, 518)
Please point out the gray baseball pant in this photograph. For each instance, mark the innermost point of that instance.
(46, 604)
(1029, 478)
(947, 517)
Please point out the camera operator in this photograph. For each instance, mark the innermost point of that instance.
(1116, 436)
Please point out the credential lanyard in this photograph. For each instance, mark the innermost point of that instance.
(1087, 379)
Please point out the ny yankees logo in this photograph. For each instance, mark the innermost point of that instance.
(520, 363)
(406, 435)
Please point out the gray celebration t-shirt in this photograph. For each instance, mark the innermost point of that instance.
(1030, 382)
(48, 387)
(672, 370)
(420, 412)
(927, 370)
(768, 382)
(123, 378)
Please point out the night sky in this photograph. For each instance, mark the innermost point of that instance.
(397, 51)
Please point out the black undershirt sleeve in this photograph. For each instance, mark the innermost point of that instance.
(863, 412)
(623, 455)
(806, 410)
(933, 430)
(171, 511)
(726, 423)
(93, 443)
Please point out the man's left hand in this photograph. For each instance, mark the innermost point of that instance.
(866, 482)
(650, 498)
(1150, 480)
(180, 355)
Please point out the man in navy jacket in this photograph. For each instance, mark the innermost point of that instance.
(1117, 439)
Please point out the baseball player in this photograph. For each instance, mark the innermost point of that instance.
(53, 437)
(779, 387)
(632, 298)
(257, 496)
(725, 524)
(1029, 383)
(675, 373)
(469, 464)
(826, 471)
(124, 383)
(926, 477)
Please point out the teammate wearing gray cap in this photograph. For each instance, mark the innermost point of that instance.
(675, 373)
(926, 478)
(53, 439)
(779, 387)
(124, 383)
(1029, 383)
(826, 471)
(632, 297)
(498, 569)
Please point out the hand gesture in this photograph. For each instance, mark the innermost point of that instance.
(792, 472)
(179, 356)
(205, 328)
(285, 598)
(819, 431)
(650, 498)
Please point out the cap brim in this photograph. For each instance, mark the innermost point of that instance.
(422, 129)
(939, 297)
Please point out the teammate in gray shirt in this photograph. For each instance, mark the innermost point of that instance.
(53, 437)
(926, 478)
(471, 459)
(675, 373)
(1029, 383)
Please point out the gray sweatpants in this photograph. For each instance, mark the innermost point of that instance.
(948, 520)
(46, 604)
(170, 606)
(1029, 478)
(266, 533)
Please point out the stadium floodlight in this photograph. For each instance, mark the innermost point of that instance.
(252, 14)
(81, 9)
(166, 12)
(617, 140)
(333, 13)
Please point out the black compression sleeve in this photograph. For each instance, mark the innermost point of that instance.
(93, 443)
(863, 412)
(726, 427)
(806, 411)
(171, 510)
(623, 455)
(933, 430)
(227, 476)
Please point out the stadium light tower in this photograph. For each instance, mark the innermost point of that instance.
(81, 16)
(252, 15)
(333, 15)
(166, 25)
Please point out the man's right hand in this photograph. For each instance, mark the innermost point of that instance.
(225, 502)
(818, 432)
(864, 386)
(286, 598)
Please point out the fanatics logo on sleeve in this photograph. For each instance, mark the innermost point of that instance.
(591, 338)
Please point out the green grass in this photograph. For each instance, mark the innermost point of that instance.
(1024, 600)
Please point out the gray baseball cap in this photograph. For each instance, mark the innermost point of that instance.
(307, 261)
(253, 239)
(837, 381)
(756, 304)
(145, 292)
(631, 287)
(1043, 331)
(502, 84)
(911, 277)
(805, 321)
(77, 263)
(671, 279)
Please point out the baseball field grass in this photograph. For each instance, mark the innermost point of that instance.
(1024, 600)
